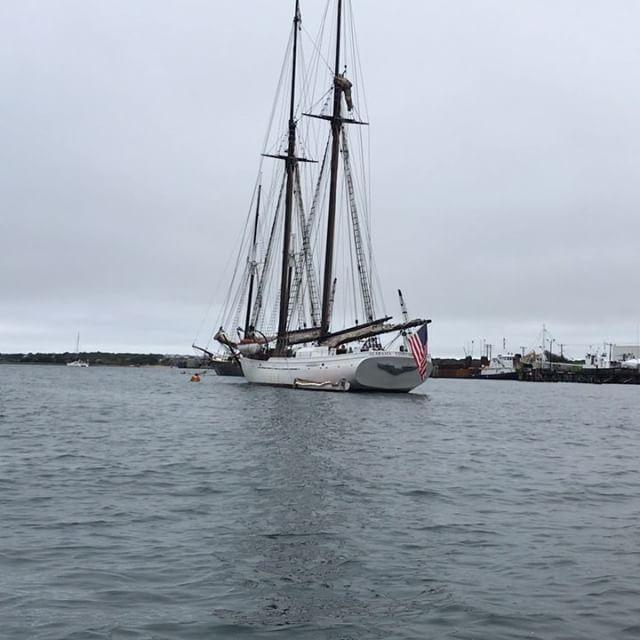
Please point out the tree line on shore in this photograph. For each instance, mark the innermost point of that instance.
(98, 358)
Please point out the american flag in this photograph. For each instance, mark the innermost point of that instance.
(419, 350)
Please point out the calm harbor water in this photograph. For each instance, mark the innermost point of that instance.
(137, 505)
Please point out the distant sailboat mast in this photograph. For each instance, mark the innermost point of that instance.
(77, 362)
(247, 322)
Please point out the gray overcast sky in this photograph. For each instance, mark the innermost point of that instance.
(505, 165)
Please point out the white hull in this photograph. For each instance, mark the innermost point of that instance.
(361, 371)
(498, 374)
(78, 363)
(501, 367)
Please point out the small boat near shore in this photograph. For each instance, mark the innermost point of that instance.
(78, 362)
(500, 367)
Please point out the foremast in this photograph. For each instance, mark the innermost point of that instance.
(290, 164)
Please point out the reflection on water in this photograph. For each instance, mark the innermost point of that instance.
(298, 565)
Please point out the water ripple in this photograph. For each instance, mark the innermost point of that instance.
(137, 506)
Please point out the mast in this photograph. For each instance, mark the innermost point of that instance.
(247, 322)
(336, 126)
(290, 162)
(405, 318)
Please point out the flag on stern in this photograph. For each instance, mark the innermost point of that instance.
(419, 351)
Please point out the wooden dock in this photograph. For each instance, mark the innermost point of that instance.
(468, 368)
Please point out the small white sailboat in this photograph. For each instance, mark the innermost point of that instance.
(303, 349)
(78, 362)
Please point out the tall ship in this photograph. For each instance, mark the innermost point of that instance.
(309, 292)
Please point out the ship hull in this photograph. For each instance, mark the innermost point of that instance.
(377, 371)
(506, 375)
(230, 367)
(78, 363)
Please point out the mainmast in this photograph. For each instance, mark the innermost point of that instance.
(290, 163)
(336, 127)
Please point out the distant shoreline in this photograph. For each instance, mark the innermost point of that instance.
(444, 367)
(100, 358)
